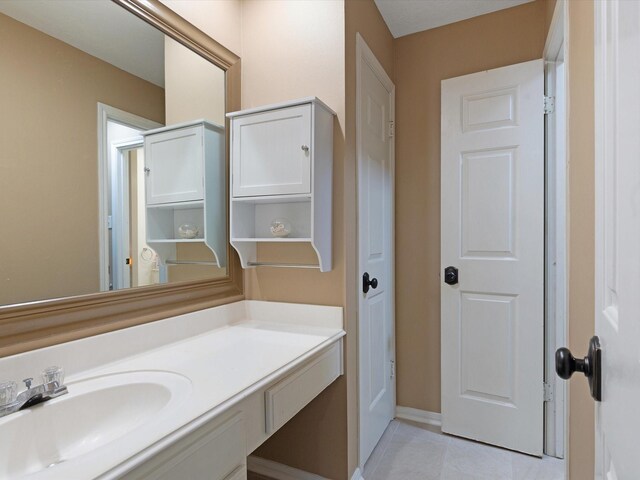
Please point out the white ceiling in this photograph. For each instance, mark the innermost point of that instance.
(404, 17)
(100, 28)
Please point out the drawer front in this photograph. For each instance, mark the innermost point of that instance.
(175, 166)
(271, 152)
(289, 396)
(214, 452)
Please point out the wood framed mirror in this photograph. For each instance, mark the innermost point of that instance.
(36, 324)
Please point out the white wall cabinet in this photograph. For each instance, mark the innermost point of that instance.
(186, 184)
(281, 169)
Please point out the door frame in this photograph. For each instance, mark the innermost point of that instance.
(556, 190)
(120, 217)
(365, 54)
(108, 113)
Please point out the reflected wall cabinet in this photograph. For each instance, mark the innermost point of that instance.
(185, 186)
(281, 175)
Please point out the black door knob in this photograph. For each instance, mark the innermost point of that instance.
(591, 366)
(366, 283)
(451, 275)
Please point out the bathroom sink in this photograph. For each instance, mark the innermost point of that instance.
(95, 412)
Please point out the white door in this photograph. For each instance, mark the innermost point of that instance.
(618, 237)
(492, 221)
(272, 152)
(375, 250)
(174, 162)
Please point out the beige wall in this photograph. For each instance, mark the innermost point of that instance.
(360, 16)
(48, 161)
(422, 60)
(293, 49)
(220, 19)
(549, 8)
(581, 229)
(194, 89)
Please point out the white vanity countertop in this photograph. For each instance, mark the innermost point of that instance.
(225, 352)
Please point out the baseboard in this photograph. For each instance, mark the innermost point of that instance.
(357, 475)
(278, 471)
(420, 416)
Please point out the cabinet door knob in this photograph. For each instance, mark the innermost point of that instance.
(305, 148)
(147, 169)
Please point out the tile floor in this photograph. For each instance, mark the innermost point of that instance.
(411, 451)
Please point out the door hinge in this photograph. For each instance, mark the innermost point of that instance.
(549, 104)
(548, 392)
(109, 222)
(393, 368)
(392, 128)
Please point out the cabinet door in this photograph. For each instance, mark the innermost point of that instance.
(272, 152)
(213, 452)
(175, 166)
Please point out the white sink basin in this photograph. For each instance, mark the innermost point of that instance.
(95, 412)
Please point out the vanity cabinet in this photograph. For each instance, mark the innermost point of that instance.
(186, 185)
(216, 451)
(281, 174)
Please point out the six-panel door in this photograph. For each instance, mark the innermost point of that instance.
(272, 152)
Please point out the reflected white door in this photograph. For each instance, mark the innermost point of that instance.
(375, 249)
(492, 221)
(618, 237)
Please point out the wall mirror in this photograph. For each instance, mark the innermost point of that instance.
(113, 171)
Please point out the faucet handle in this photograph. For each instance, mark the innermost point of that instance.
(27, 382)
(8, 392)
(53, 374)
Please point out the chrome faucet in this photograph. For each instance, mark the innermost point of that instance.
(52, 386)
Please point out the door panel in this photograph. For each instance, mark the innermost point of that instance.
(488, 360)
(617, 259)
(175, 166)
(487, 203)
(275, 151)
(492, 169)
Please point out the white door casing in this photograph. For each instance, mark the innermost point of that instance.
(555, 57)
(375, 165)
(492, 230)
(617, 316)
(120, 208)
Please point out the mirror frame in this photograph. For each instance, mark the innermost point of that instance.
(39, 324)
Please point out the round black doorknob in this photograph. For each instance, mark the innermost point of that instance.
(591, 366)
(368, 282)
(567, 364)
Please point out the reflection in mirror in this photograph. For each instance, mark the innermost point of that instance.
(112, 167)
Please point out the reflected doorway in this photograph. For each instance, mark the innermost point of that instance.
(132, 262)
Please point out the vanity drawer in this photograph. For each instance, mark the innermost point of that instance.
(292, 394)
(216, 451)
